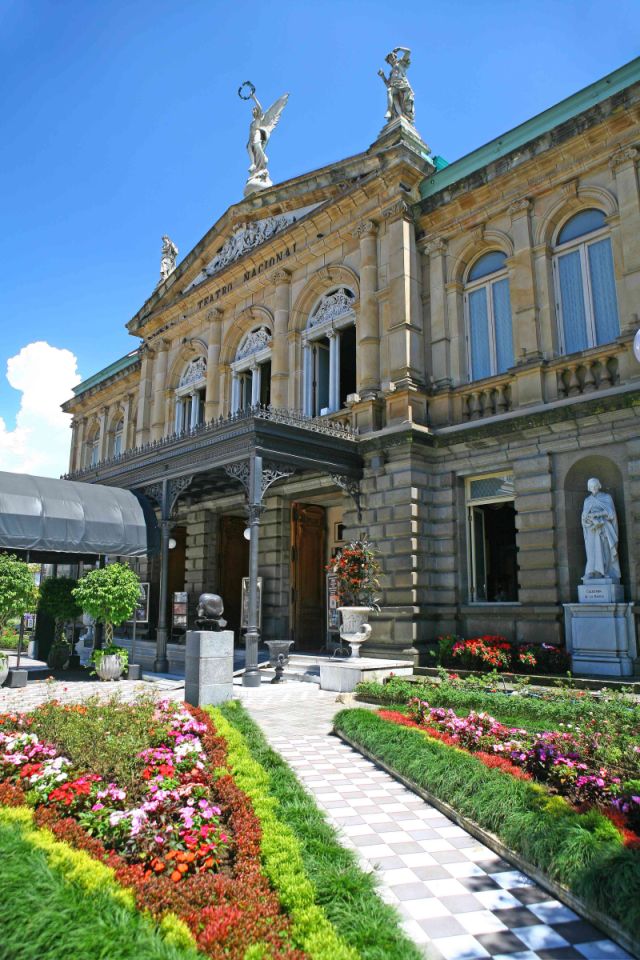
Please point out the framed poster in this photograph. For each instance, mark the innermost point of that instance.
(333, 602)
(244, 619)
(179, 609)
(142, 610)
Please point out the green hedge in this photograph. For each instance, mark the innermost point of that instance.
(583, 851)
(345, 893)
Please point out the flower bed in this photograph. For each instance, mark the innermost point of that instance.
(581, 849)
(494, 652)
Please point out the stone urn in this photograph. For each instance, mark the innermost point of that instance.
(278, 656)
(355, 630)
(109, 667)
(4, 667)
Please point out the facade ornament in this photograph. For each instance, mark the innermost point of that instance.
(624, 155)
(196, 370)
(332, 306)
(263, 123)
(280, 276)
(350, 486)
(477, 233)
(366, 228)
(437, 246)
(519, 206)
(174, 488)
(400, 99)
(398, 209)
(254, 342)
(600, 530)
(272, 472)
(570, 188)
(216, 313)
(167, 258)
(240, 472)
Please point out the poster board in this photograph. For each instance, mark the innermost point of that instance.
(333, 602)
(244, 618)
(179, 609)
(142, 609)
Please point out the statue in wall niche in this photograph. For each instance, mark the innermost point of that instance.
(167, 258)
(600, 529)
(263, 123)
(400, 100)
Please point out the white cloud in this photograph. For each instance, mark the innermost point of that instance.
(41, 439)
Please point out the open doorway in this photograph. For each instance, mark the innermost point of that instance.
(308, 532)
(233, 566)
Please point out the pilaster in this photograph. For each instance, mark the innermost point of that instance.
(624, 165)
(279, 347)
(368, 328)
(147, 356)
(159, 384)
(214, 340)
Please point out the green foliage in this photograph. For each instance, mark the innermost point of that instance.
(57, 599)
(18, 592)
(68, 905)
(356, 570)
(101, 736)
(109, 594)
(584, 851)
(122, 652)
(9, 639)
(346, 894)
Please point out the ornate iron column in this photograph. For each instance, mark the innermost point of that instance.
(165, 494)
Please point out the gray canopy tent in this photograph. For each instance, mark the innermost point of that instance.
(50, 520)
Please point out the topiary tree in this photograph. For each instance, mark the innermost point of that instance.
(18, 592)
(57, 599)
(109, 595)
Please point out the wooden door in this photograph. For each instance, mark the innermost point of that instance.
(233, 558)
(308, 525)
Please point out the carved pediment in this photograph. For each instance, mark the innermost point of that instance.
(197, 370)
(332, 306)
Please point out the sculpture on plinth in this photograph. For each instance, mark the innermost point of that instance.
(209, 613)
(167, 258)
(400, 99)
(600, 530)
(263, 124)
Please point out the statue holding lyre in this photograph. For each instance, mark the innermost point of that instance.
(263, 123)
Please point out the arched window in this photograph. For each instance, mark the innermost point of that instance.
(118, 442)
(190, 395)
(93, 447)
(330, 353)
(585, 283)
(488, 310)
(251, 371)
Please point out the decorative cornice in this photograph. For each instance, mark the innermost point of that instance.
(623, 156)
(366, 228)
(398, 209)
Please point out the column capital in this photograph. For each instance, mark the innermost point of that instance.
(280, 276)
(519, 207)
(400, 209)
(146, 351)
(216, 313)
(433, 245)
(366, 228)
(624, 156)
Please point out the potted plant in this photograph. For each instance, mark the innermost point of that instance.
(109, 595)
(58, 601)
(18, 593)
(356, 570)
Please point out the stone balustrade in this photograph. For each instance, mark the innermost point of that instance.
(488, 400)
(586, 375)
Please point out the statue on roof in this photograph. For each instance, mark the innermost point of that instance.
(167, 258)
(400, 100)
(263, 124)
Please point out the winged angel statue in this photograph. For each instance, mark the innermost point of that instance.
(263, 124)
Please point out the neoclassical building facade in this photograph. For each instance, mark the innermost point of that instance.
(435, 355)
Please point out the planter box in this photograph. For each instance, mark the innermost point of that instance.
(16, 678)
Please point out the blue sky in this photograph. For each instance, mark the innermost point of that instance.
(121, 122)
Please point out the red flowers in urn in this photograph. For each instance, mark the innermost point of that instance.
(356, 569)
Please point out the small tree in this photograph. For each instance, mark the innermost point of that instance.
(109, 595)
(18, 592)
(57, 599)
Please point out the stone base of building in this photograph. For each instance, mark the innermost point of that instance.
(601, 638)
(342, 676)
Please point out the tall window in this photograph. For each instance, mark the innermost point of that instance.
(488, 309)
(330, 353)
(585, 283)
(93, 448)
(491, 518)
(190, 396)
(251, 371)
(118, 438)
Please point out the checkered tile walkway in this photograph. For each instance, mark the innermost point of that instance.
(457, 899)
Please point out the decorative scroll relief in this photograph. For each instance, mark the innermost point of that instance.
(332, 307)
(246, 238)
(254, 342)
(197, 370)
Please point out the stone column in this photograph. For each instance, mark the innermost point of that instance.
(214, 340)
(624, 166)
(159, 386)
(147, 355)
(436, 250)
(255, 384)
(126, 417)
(235, 392)
(102, 448)
(524, 313)
(74, 440)
(280, 347)
(78, 450)
(334, 370)
(307, 402)
(368, 330)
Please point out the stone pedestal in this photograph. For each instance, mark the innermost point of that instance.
(208, 675)
(601, 637)
(343, 675)
(600, 590)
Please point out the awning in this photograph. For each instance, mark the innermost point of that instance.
(41, 514)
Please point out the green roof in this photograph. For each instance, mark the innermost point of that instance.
(110, 371)
(535, 127)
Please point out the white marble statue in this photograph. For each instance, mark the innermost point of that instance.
(167, 258)
(263, 124)
(600, 529)
(400, 101)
